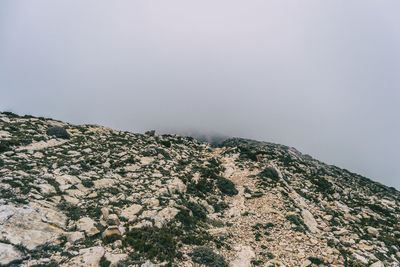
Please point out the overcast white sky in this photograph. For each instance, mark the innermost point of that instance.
(321, 76)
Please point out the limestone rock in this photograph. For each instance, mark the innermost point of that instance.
(88, 257)
(73, 237)
(8, 254)
(176, 185)
(115, 258)
(309, 221)
(28, 226)
(243, 257)
(87, 225)
(372, 231)
(130, 212)
(112, 230)
(112, 219)
(377, 264)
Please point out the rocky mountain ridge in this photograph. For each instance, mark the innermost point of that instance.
(87, 195)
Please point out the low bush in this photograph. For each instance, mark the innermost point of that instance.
(198, 210)
(270, 173)
(227, 187)
(104, 262)
(58, 132)
(207, 257)
(152, 242)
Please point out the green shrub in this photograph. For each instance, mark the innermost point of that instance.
(270, 173)
(153, 242)
(219, 206)
(298, 221)
(247, 154)
(184, 217)
(104, 262)
(4, 146)
(316, 261)
(58, 132)
(227, 187)
(202, 187)
(198, 210)
(206, 256)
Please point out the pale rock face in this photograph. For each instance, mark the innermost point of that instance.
(30, 227)
(46, 188)
(360, 258)
(112, 219)
(115, 258)
(377, 264)
(73, 237)
(71, 200)
(372, 231)
(176, 185)
(131, 211)
(5, 134)
(243, 257)
(146, 160)
(42, 145)
(310, 221)
(66, 181)
(87, 224)
(103, 183)
(8, 254)
(342, 206)
(112, 230)
(88, 257)
(131, 168)
(164, 216)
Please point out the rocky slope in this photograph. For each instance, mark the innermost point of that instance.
(91, 196)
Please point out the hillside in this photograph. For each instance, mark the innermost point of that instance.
(87, 195)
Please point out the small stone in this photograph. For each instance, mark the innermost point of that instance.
(372, 231)
(112, 219)
(92, 195)
(73, 237)
(117, 244)
(112, 230)
(87, 224)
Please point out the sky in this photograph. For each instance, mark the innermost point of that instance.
(320, 76)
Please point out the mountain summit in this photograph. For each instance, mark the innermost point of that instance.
(87, 195)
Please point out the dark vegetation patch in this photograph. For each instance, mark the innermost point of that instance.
(207, 257)
(58, 132)
(226, 186)
(153, 242)
(316, 261)
(111, 239)
(271, 173)
(104, 262)
(298, 221)
(247, 154)
(322, 185)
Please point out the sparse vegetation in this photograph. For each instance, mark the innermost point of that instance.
(226, 186)
(206, 256)
(58, 132)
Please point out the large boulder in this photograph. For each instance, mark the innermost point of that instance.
(29, 226)
(8, 254)
(131, 211)
(87, 225)
(88, 257)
